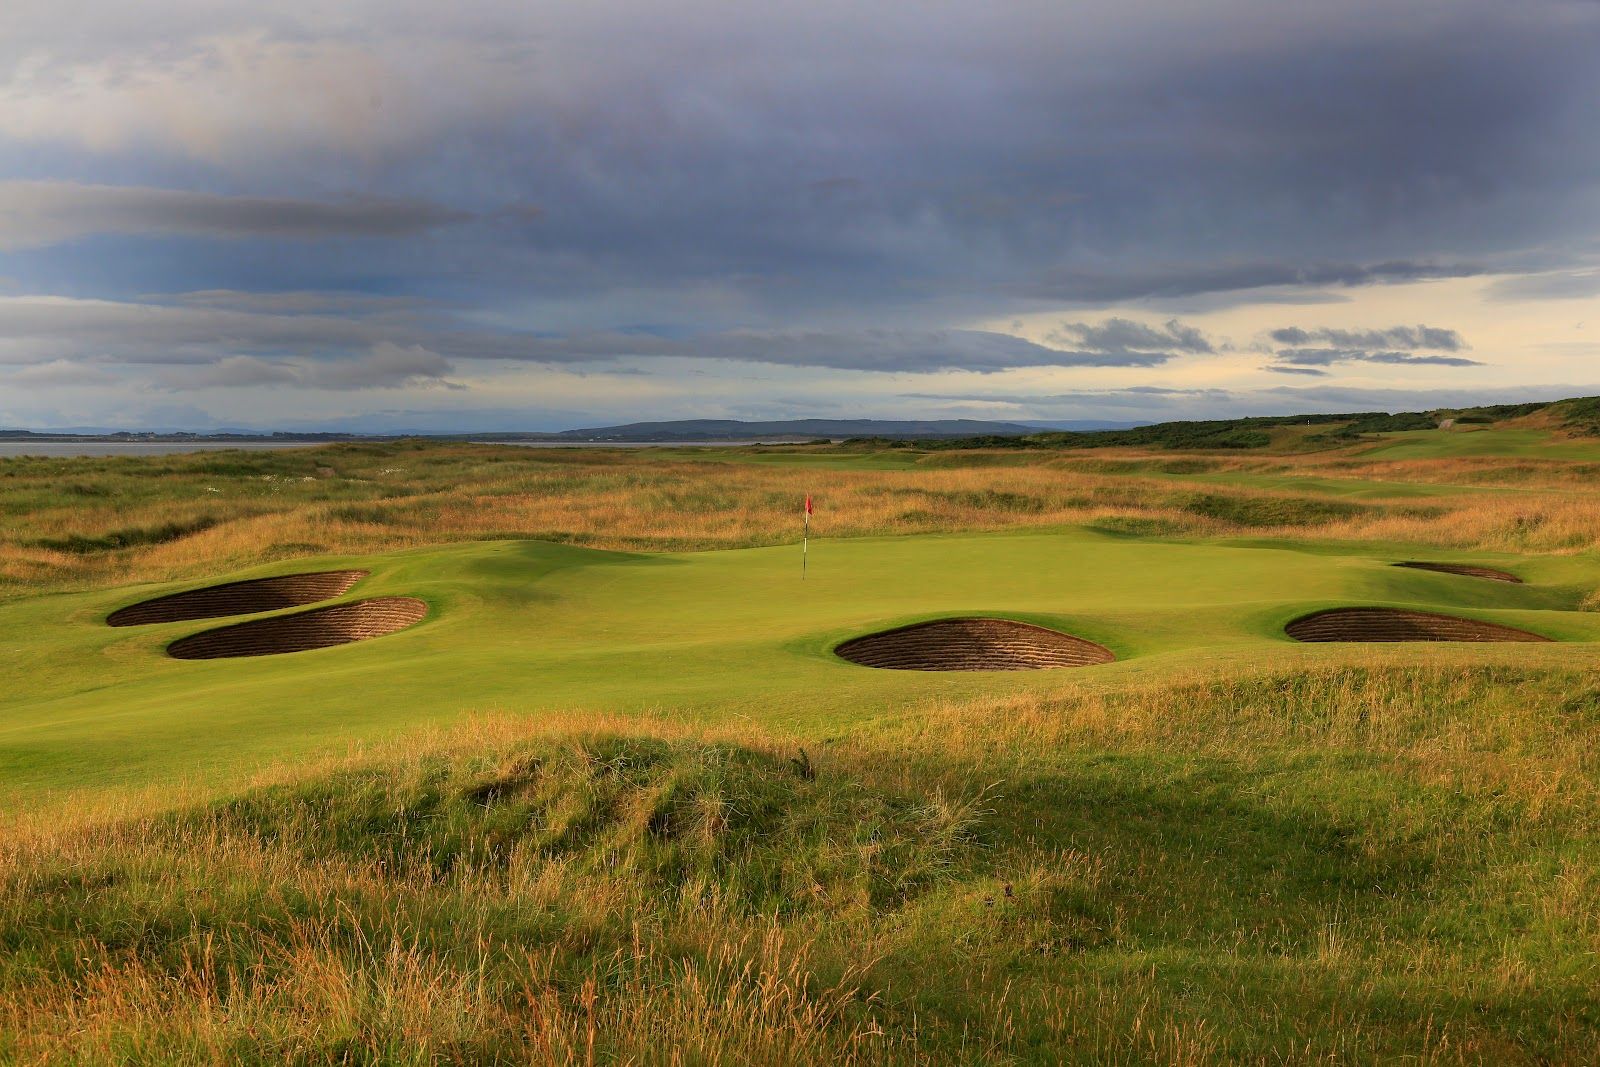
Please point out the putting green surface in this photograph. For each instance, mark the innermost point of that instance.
(525, 626)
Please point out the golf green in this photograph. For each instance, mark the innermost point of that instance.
(525, 626)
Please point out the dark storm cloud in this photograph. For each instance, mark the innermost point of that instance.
(44, 213)
(292, 303)
(111, 331)
(881, 157)
(1104, 286)
(829, 185)
(242, 340)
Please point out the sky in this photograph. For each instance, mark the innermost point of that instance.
(385, 215)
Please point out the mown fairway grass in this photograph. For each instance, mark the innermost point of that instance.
(625, 806)
(1446, 444)
(544, 627)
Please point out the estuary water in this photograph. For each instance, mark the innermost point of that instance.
(134, 448)
(165, 448)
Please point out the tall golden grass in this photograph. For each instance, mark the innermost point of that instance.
(448, 493)
(191, 940)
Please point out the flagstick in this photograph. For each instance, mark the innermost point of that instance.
(805, 542)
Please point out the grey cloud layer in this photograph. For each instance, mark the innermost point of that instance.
(243, 341)
(830, 185)
(387, 366)
(1553, 285)
(43, 213)
(1137, 397)
(1109, 285)
(1322, 357)
(1412, 346)
(845, 154)
(1133, 341)
(1406, 337)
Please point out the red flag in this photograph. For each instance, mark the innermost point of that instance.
(808, 503)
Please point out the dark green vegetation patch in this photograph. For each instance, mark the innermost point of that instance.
(1272, 511)
(131, 537)
(768, 833)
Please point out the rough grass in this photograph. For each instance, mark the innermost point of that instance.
(1275, 512)
(1346, 865)
(133, 537)
(75, 523)
(641, 899)
(1378, 864)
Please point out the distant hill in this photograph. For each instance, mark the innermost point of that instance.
(734, 429)
(1573, 417)
(1579, 416)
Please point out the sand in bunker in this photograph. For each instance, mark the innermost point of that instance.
(972, 645)
(1390, 624)
(1461, 568)
(321, 628)
(239, 598)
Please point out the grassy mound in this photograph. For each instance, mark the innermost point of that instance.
(1399, 861)
(766, 833)
(556, 901)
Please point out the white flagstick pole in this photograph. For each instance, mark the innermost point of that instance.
(805, 541)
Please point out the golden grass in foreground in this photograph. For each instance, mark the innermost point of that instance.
(1343, 865)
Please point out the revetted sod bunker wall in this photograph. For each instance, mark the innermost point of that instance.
(1461, 568)
(1390, 624)
(319, 628)
(972, 645)
(239, 598)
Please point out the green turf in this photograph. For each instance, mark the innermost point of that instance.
(1226, 847)
(1518, 442)
(524, 626)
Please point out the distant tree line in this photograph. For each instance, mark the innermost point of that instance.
(1579, 416)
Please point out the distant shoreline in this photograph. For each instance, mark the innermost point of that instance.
(82, 446)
